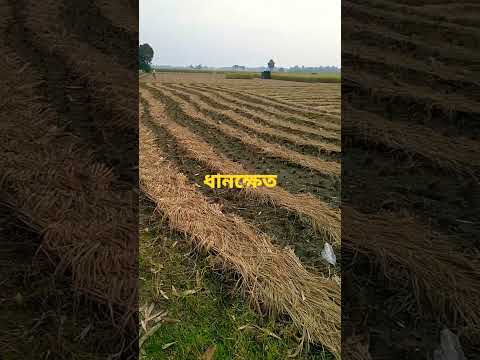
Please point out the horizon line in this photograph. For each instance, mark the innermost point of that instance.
(247, 66)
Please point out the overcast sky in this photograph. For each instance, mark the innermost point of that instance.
(243, 32)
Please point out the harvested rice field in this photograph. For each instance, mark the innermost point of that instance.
(233, 273)
(69, 219)
(410, 195)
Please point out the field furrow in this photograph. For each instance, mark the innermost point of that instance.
(422, 105)
(285, 228)
(415, 72)
(318, 213)
(468, 37)
(449, 153)
(379, 35)
(402, 244)
(67, 91)
(410, 130)
(223, 113)
(97, 70)
(271, 93)
(461, 14)
(305, 101)
(268, 275)
(45, 172)
(203, 124)
(327, 168)
(414, 186)
(283, 106)
(300, 94)
(296, 179)
(119, 13)
(264, 117)
(292, 105)
(271, 111)
(86, 22)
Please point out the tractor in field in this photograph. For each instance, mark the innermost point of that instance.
(266, 74)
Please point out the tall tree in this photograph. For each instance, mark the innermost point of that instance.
(145, 56)
(271, 64)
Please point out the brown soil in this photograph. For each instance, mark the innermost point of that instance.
(295, 179)
(411, 81)
(283, 226)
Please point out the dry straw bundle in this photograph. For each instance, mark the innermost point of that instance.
(268, 274)
(409, 253)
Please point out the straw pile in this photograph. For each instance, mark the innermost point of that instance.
(409, 253)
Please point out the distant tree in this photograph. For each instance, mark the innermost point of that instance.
(145, 56)
(271, 64)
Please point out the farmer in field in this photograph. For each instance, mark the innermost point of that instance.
(153, 73)
(271, 65)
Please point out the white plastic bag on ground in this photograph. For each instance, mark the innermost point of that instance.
(328, 254)
(450, 348)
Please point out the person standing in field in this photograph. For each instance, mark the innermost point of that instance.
(271, 65)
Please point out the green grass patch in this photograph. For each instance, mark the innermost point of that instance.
(194, 71)
(312, 78)
(300, 77)
(325, 77)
